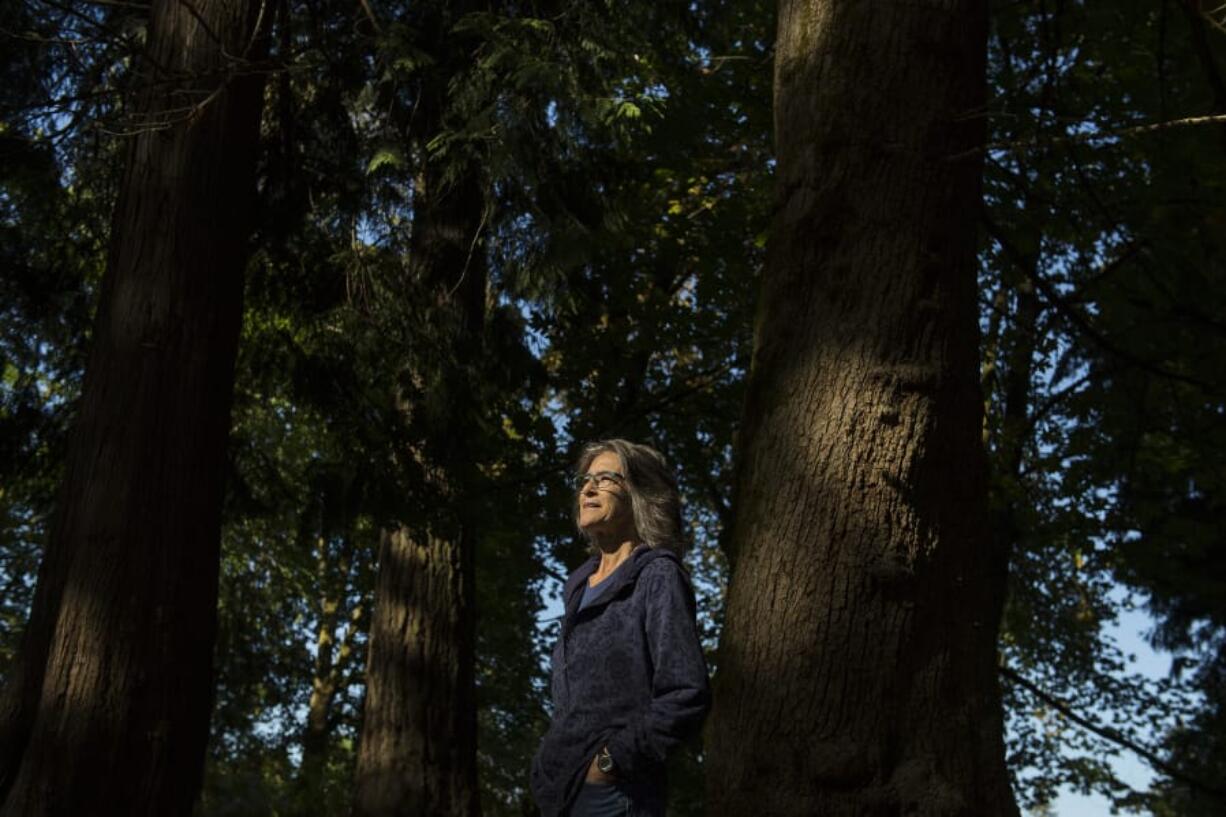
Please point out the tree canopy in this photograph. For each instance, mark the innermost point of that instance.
(624, 158)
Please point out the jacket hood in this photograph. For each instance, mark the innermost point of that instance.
(626, 573)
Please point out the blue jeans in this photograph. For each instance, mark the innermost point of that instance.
(600, 800)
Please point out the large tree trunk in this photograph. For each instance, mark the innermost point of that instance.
(418, 750)
(417, 754)
(418, 747)
(106, 711)
(857, 670)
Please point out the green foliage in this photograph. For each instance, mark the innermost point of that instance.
(55, 194)
(1109, 476)
(625, 159)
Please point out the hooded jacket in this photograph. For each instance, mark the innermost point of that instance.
(627, 673)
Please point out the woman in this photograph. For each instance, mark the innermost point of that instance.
(629, 681)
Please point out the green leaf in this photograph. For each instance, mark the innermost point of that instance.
(391, 156)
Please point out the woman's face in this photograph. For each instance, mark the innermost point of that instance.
(604, 504)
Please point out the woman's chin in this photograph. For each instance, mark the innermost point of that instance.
(592, 525)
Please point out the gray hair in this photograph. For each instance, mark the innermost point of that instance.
(654, 499)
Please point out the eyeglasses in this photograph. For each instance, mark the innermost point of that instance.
(600, 479)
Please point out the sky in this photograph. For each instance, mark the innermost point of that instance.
(1129, 633)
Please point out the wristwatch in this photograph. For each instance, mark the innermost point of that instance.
(604, 761)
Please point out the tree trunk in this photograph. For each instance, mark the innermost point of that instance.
(857, 668)
(323, 678)
(418, 747)
(106, 711)
(332, 660)
(418, 750)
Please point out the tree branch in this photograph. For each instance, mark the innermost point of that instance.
(1113, 735)
(1091, 136)
(1082, 323)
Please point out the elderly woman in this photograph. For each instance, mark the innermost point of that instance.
(629, 681)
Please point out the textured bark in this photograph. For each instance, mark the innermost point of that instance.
(418, 747)
(418, 750)
(856, 671)
(107, 709)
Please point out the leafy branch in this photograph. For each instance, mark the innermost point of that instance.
(1114, 735)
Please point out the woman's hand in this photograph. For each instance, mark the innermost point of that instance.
(594, 775)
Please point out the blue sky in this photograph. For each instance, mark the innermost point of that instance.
(1129, 632)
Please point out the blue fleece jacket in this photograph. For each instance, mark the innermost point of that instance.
(628, 673)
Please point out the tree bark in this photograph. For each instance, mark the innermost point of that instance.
(857, 672)
(323, 678)
(418, 749)
(106, 711)
(332, 661)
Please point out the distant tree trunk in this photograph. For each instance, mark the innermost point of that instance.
(856, 671)
(332, 661)
(418, 752)
(107, 708)
(323, 678)
(418, 745)
(1015, 419)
